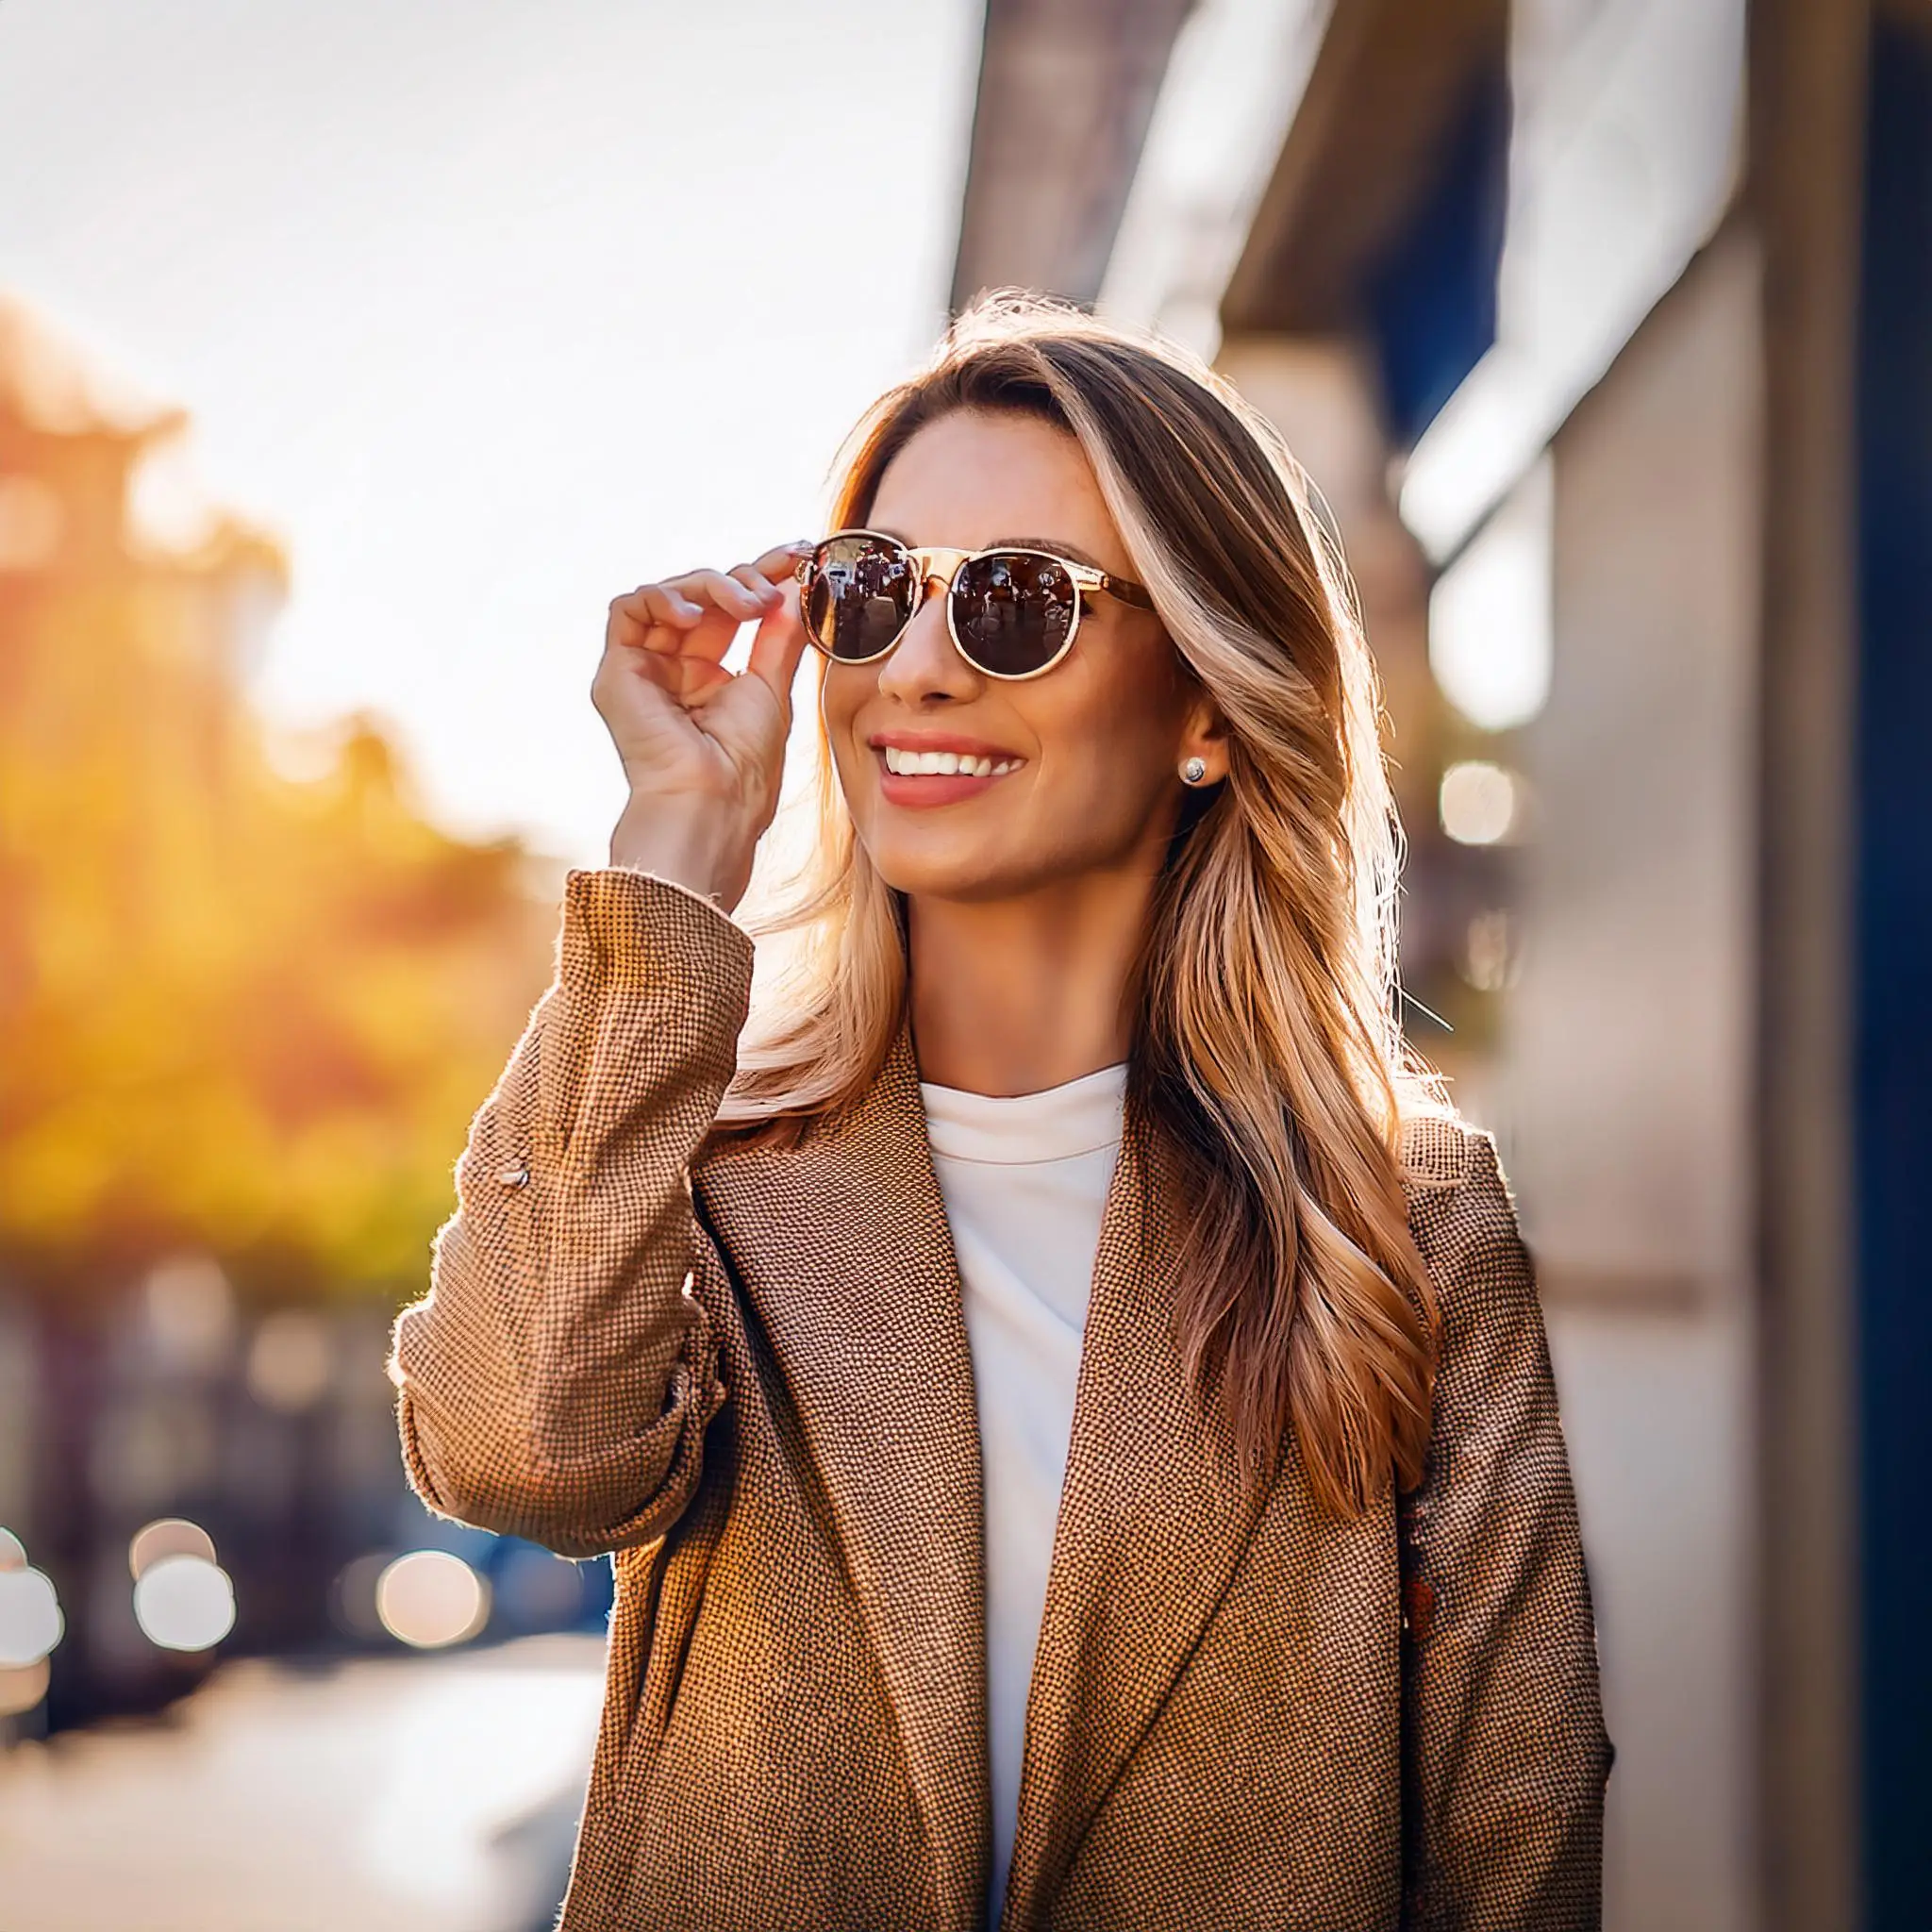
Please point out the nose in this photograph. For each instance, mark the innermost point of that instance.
(923, 665)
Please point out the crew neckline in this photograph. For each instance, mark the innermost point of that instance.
(1079, 1116)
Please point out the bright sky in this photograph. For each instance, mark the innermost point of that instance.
(491, 309)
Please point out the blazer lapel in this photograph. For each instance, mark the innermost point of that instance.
(842, 1246)
(1152, 1523)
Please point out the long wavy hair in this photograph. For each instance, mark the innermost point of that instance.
(1267, 1048)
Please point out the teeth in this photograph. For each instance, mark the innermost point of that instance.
(944, 764)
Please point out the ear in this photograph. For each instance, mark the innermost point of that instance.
(1204, 736)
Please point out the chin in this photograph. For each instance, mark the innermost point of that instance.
(967, 872)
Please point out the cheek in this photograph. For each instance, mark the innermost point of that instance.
(1112, 736)
(840, 696)
(1103, 788)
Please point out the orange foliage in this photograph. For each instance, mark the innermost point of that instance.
(240, 1012)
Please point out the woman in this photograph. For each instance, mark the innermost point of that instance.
(1068, 1401)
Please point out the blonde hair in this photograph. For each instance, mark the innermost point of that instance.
(1267, 1048)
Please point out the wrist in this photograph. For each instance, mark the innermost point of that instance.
(687, 846)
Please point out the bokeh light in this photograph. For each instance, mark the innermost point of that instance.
(172, 1536)
(22, 1688)
(1481, 804)
(190, 1312)
(184, 1603)
(1490, 960)
(429, 1599)
(352, 1597)
(290, 1361)
(30, 1619)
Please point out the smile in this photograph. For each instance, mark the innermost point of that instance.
(918, 775)
(944, 764)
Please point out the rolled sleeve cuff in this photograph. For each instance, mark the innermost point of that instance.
(629, 927)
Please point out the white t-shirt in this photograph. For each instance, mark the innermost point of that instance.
(1025, 1181)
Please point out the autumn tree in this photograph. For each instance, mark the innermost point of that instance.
(242, 1011)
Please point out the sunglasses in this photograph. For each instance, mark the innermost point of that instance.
(1011, 612)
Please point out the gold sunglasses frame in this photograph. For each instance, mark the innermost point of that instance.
(938, 562)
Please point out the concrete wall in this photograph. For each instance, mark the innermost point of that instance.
(1624, 1089)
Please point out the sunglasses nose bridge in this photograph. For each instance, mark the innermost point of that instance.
(937, 567)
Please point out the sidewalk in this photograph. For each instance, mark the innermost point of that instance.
(422, 1793)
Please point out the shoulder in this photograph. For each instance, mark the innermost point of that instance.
(1462, 1212)
(1437, 1146)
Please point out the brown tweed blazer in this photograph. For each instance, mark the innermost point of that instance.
(744, 1369)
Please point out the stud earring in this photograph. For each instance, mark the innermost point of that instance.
(1194, 771)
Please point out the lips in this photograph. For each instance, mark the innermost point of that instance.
(920, 768)
(942, 741)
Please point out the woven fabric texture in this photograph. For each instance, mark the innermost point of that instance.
(743, 1368)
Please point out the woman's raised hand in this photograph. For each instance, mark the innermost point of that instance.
(703, 748)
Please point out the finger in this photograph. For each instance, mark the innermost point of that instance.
(626, 630)
(683, 679)
(723, 592)
(782, 560)
(682, 618)
(651, 616)
(761, 587)
(654, 667)
(660, 604)
(778, 647)
(701, 679)
(728, 604)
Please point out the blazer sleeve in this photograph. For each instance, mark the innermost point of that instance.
(1505, 1755)
(557, 1380)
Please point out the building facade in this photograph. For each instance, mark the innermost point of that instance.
(1605, 329)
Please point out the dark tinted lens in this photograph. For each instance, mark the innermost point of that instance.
(860, 598)
(1013, 611)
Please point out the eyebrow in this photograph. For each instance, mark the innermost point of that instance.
(1058, 546)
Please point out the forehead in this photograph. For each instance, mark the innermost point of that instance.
(974, 479)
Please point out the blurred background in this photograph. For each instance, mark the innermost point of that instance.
(352, 359)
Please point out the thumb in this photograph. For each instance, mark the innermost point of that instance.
(777, 646)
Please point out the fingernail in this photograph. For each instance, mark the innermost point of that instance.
(803, 546)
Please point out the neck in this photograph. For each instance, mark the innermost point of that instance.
(1013, 995)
